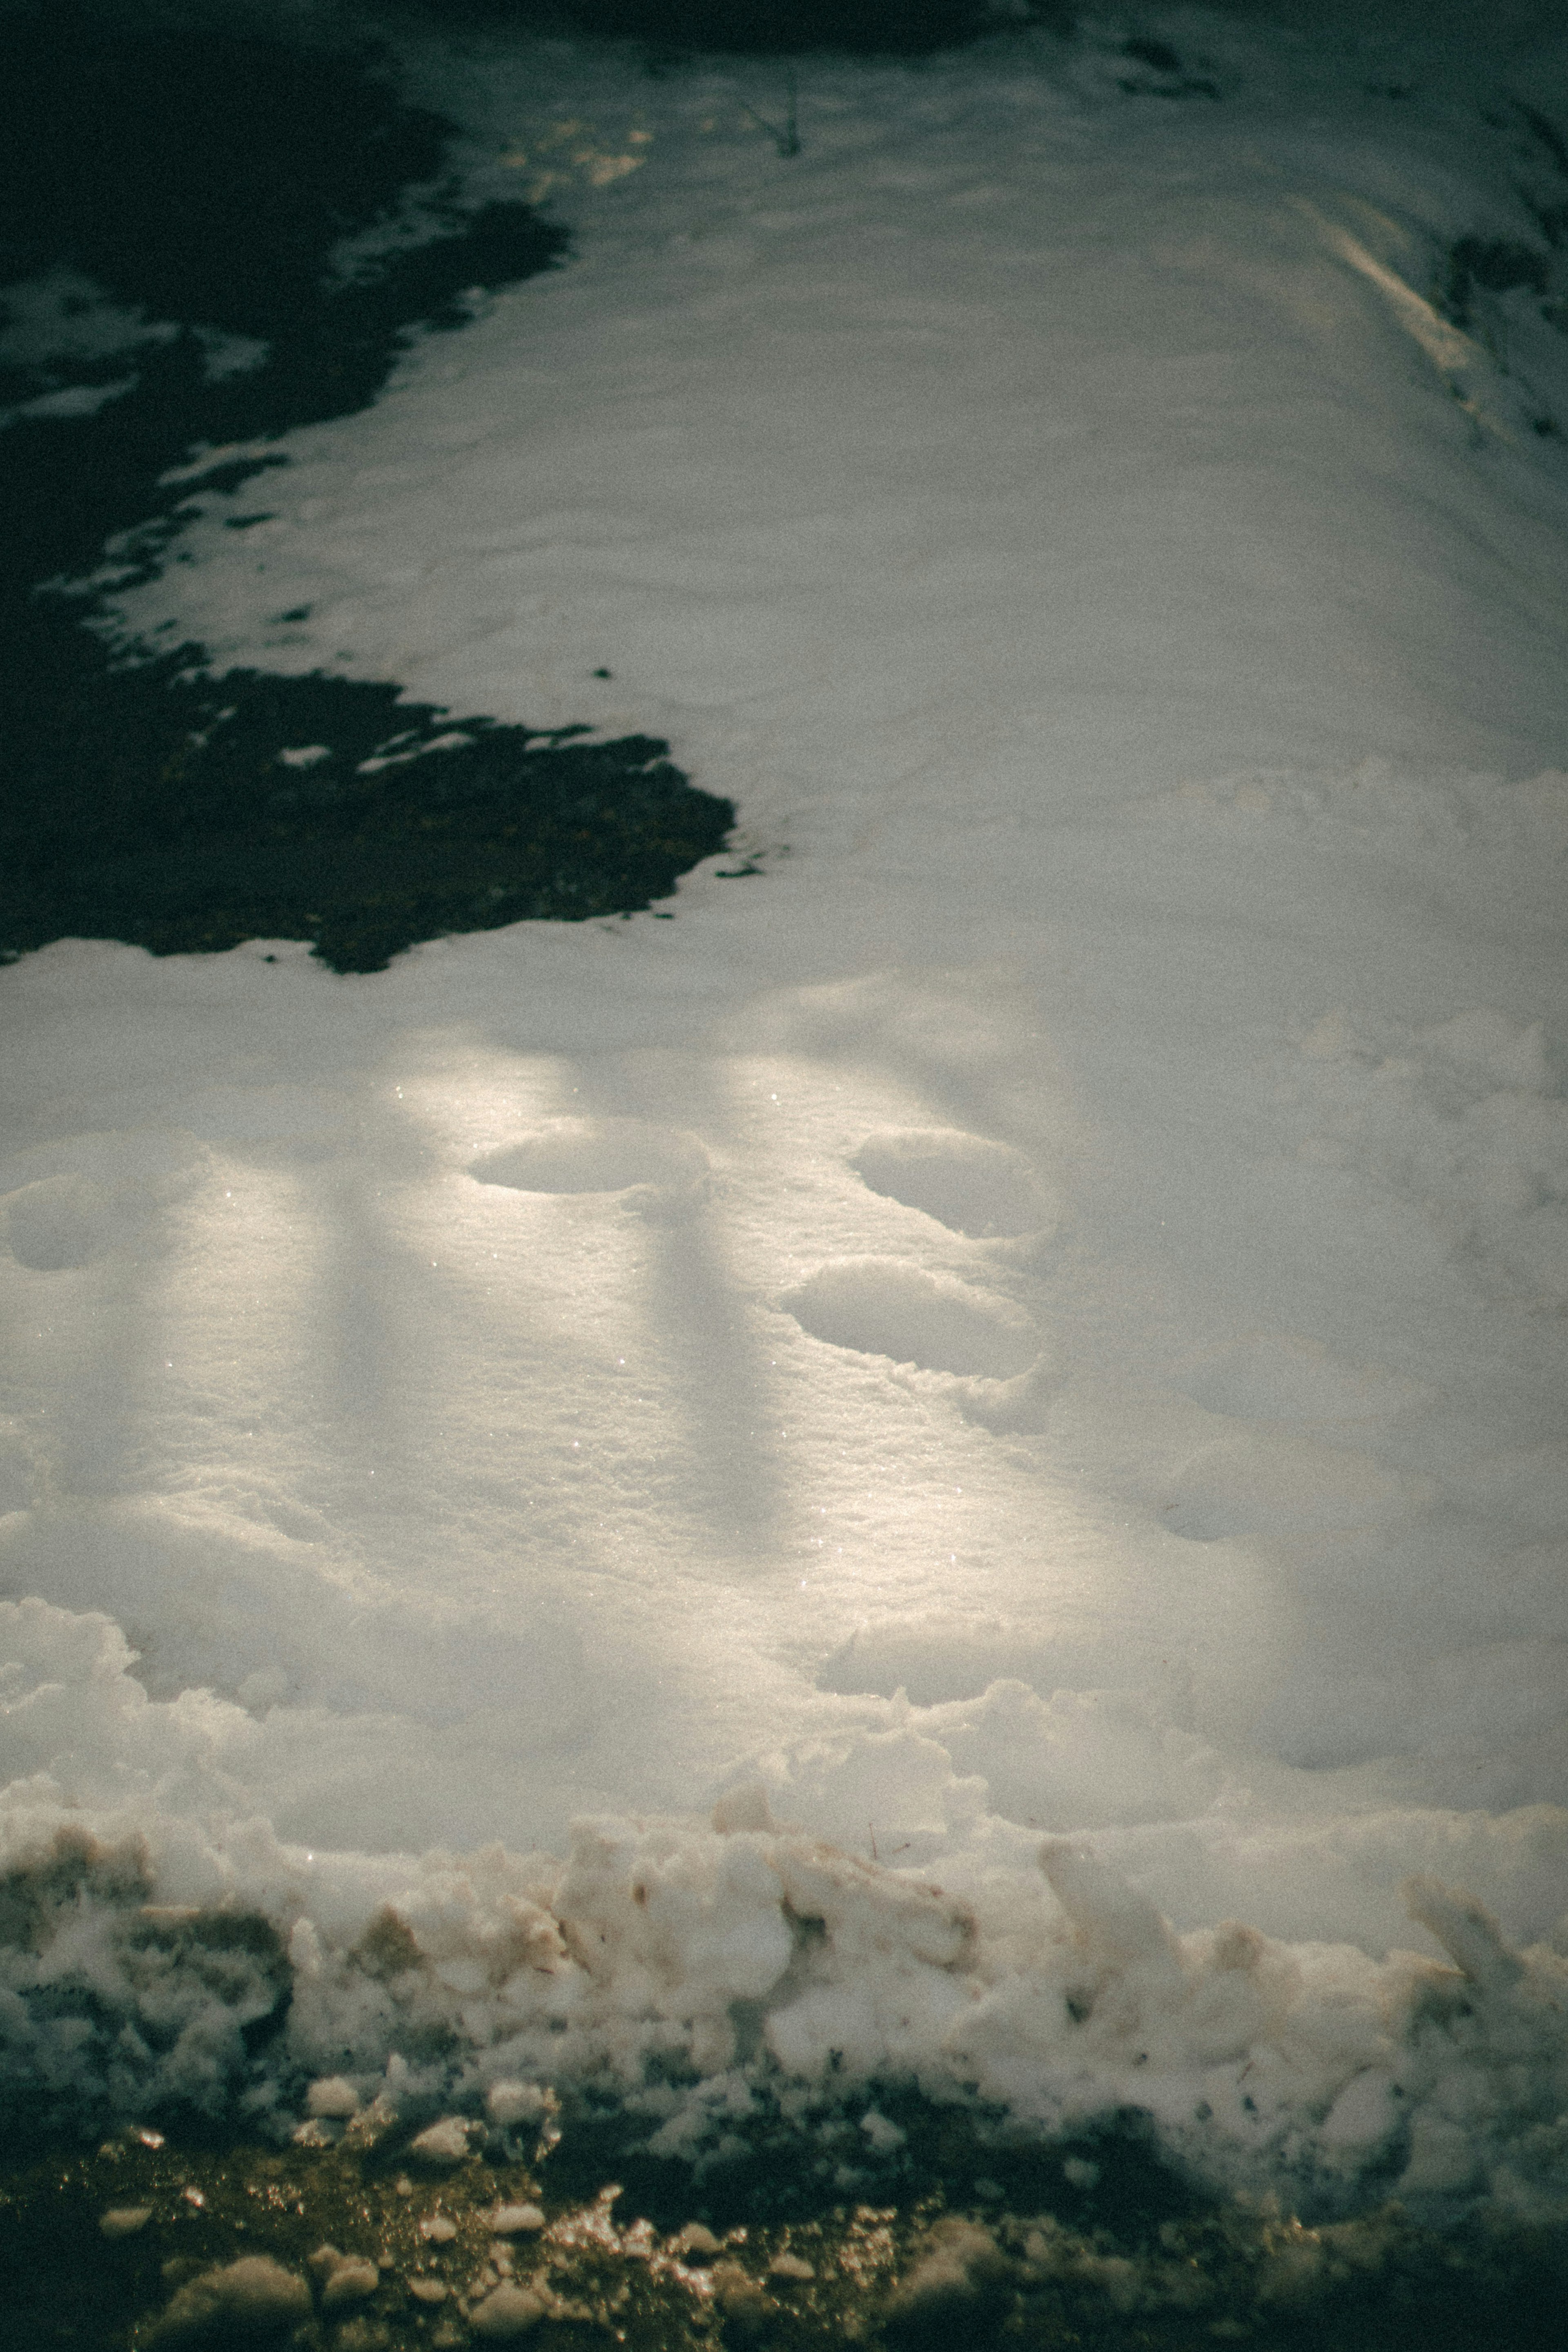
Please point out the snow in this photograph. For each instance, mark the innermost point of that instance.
(514, 2220)
(345, 2278)
(255, 2295)
(124, 2221)
(1038, 1313)
(509, 2313)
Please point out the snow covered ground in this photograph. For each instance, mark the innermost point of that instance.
(1039, 1312)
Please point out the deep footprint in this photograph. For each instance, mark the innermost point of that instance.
(65, 1203)
(884, 1306)
(1268, 1482)
(599, 1155)
(1280, 1376)
(57, 1223)
(975, 1187)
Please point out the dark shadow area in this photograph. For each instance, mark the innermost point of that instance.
(175, 210)
(175, 823)
(777, 2170)
(1474, 264)
(1159, 71)
(866, 28)
(1476, 275)
(1088, 2243)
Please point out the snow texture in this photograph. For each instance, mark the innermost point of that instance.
(1014, 1354)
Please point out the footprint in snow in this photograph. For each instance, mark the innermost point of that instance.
(1272, 1482)
(972, 1185)
(665, 1168)
(58, 1221)
(885, 1307)
(108, 1186)
(1283, 1377)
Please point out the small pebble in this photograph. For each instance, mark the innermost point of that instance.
(735, 2291)
(332, 2094)
(353, 2280)
(253, 2298)
(124, 2221)
(516, 2103)
(427, 2290)
(439, 2227)
(789, 2266)
(511, 2312)
(443, 2143)
(513, 2221)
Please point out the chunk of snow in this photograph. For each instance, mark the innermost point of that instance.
(443, 2143)
(514, 2220)
(124, 2221)
(253, 2298)
(506, 2315)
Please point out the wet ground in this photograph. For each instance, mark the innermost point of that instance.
(211, 237)
(385, 2245)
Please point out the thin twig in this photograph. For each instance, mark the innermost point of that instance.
(787, 139)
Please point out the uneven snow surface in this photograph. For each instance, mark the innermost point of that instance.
(1037, 1315)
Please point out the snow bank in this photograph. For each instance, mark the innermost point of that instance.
(157, 1960)
(759, 1965)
